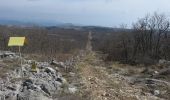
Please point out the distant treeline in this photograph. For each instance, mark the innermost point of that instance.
(46, 41)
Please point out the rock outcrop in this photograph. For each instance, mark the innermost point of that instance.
(24, 84)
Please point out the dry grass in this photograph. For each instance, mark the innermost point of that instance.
(8, 65)
(98, 83)
(103, 81)
(41, 57)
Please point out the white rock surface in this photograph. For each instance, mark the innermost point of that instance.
(32, 85)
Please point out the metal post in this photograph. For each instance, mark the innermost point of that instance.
(20, 61)
(20, 55)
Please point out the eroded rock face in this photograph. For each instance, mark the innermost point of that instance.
(28, 85)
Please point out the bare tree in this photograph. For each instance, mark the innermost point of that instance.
(149, 32)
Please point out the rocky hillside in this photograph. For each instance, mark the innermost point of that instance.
(22, 83)
(82, 77)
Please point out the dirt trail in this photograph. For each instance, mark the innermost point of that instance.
(100, 85)
(89, 43)
(97, 83)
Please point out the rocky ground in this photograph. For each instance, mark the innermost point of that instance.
(114, 81)
(22, 83)
(84, 77)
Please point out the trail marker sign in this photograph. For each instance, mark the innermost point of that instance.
(16, 41)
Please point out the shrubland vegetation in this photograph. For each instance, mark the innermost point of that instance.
(147, 41)
(49, 41)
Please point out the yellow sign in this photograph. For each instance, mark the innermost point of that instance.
(16, 41)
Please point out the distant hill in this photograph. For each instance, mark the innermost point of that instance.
(52, 25)
(28, 23)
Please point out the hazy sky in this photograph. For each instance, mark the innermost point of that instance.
(84, 12)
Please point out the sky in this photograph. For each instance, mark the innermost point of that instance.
(108, 13)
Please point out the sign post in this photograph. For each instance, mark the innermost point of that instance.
(17, 41)
(20, 54)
